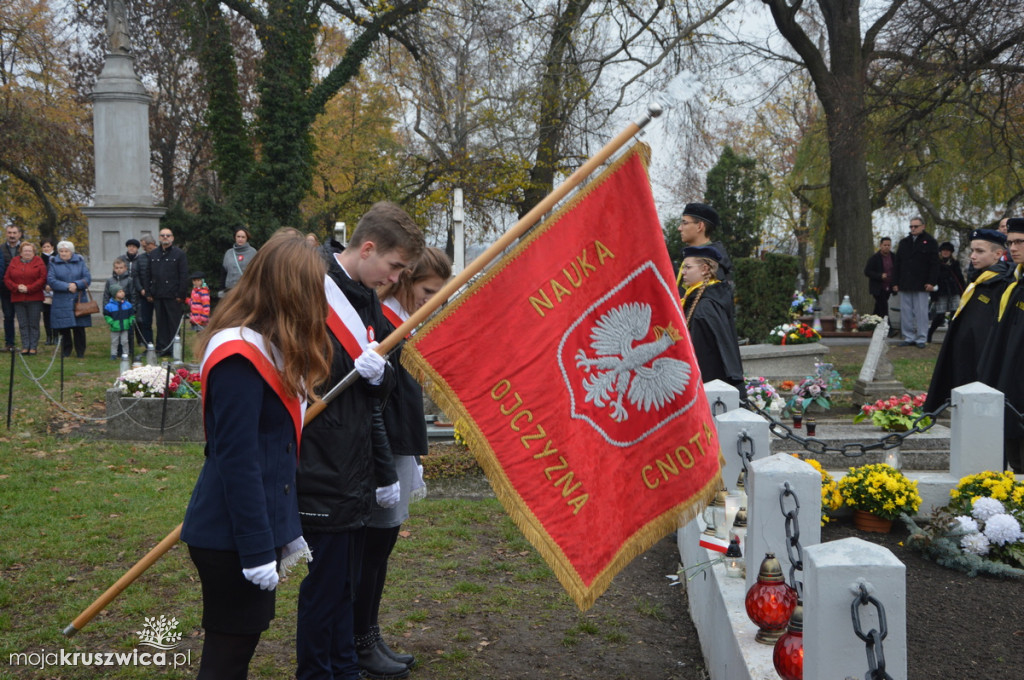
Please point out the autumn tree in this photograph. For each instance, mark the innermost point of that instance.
(45, 164)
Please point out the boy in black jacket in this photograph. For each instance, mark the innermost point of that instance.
(338, 478)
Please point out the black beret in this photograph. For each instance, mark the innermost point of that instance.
(132, 242)
(997, 237)
(946, 245)
(197, 275)
(702, 211)
(709, 252)
(1015, 224)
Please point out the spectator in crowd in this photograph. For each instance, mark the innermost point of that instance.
(9, 249)
(341, 474)
(69, 278)
(144, 317)
(131, 259)
(879, 270)
(237, 258)
(312, 239)
(946, 298)
(46, 252)
(708, 310)
(916, 274)
(119, 315)
(407, 438)
(167, 288)
(1002, 365)
(199, 302)
(262, 356)
(974, 318)
(25, 278)
(698, 223)
(122, 280)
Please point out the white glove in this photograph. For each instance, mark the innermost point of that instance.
(371, 365)
(387, 496)
(265, 575)
(419, 486)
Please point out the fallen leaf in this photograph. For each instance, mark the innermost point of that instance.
(404, 533)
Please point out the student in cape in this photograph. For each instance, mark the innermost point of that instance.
(407, 439)
(708, 310)
(1002, 365)
(696, 226)
(974, 319)
(262, 355)
(341, 473)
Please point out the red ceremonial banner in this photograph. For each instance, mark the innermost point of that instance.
(569, 371)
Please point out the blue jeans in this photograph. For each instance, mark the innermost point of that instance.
(324, 636)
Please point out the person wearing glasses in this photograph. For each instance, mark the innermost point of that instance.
(167, 288)
(1001, 365)
(916, 275)
(698, 223)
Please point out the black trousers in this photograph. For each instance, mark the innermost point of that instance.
(72, 337)
(168, 315)
(881, 304)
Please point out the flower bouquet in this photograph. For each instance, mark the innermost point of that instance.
(802, 304)
(830, 496)
(895, 414)
(760, 392)
(880, 490)
(980, 530)
(151, 381)
(793, 334)
(814, 389)
(868, 322)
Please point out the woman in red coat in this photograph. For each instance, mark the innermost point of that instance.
(25, 278)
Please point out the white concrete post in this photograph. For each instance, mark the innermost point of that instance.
(721, 395)
(731, 426)
(833, 573)
(976, 430)
(766, 525)
(459, 231)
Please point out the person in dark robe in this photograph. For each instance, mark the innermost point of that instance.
(1002, 365)
(696, 226)
(708, 310)
(974, 318)
(879, 270)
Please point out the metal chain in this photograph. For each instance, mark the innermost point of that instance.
(1017, 413)
(745, 441)
(853, 449)
(796, 562)
(873, 638)
(714, 407)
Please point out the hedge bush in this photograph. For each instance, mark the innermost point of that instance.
(764, 289)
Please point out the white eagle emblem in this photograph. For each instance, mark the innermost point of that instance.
(620, 369)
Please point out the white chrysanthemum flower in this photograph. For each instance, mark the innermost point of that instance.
(975, 544)
(986, 507)
(1002, 529)
(965, 524)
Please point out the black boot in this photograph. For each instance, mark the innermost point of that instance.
(375, 663)
(407, 659)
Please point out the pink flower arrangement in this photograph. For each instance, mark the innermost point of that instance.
(895, 414)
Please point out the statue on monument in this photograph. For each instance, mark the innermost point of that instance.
(117, 27)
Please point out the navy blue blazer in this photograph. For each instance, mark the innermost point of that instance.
(244, 500)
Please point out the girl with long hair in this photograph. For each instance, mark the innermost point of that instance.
(264, 353)
(407, 438)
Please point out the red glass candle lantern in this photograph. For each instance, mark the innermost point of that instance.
(770, 601)
(789, 649)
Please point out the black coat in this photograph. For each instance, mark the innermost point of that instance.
(874, 269)
(961, 350)
(916, 263)
(1002, 364)
(168, 274)
(713, 333)
(338, 473)
(403, 412)
(951, 278)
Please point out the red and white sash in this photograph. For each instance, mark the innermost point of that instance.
(251, 345)
(344, 322)
(394, 312)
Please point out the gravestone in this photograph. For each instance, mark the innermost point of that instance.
(877, 379)
(830, 296)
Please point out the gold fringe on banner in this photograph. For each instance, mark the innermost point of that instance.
(442, 394)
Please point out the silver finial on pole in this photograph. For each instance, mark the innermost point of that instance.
(654, 110)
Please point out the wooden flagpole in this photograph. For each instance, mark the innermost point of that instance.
(392, 340)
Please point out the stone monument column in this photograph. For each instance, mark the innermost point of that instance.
(124, 205)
